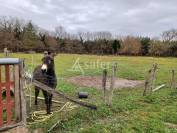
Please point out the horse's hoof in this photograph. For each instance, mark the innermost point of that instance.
(49, 113)
(35, 103)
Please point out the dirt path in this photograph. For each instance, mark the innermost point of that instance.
(96, 82)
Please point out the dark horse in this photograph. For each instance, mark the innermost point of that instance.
(45, 74)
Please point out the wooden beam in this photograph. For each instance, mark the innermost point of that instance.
(41, 98)
(7, 127)
(57, 93)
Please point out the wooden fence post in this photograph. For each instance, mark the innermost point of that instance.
(154, 70)
(149, 81)
(173, 81)
(6, 52)
(104, 79)
(23, 99)
(112, 83)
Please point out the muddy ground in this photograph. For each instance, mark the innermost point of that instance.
(96, 82)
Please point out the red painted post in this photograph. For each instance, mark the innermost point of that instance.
(1, 104)
(8, 105)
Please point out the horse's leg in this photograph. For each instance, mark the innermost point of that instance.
(46, 96)
(36, 94)
(50, 102)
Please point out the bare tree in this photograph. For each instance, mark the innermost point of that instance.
(103, 35)
(60, 32)
(43, 34)
(81, 36)
(18, 28)
(169, 35)
(6, 24)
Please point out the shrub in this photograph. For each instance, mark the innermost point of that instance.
(158, 48)
(130, 46)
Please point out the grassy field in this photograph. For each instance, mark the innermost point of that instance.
(130, 112)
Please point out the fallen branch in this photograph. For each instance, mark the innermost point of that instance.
(158, 87)
(170, 125)
(53, 126)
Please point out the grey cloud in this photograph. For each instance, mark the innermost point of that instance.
(137, 17)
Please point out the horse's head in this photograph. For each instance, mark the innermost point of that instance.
(47, 64)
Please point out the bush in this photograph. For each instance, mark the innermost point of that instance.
(130, 46)
(173, 49)
(158, 48)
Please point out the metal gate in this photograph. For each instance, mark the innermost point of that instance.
(12, 102)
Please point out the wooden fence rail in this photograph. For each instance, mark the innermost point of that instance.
(57, 93)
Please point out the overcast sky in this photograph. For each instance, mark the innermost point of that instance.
(122, 17)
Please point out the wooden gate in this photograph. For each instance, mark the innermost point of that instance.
(12, 101)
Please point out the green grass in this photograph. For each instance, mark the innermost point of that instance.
(130, 112)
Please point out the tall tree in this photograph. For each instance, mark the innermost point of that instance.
(30, 38)
(116, 46)
(145, 44)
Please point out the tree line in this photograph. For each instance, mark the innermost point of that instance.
(20, 36)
